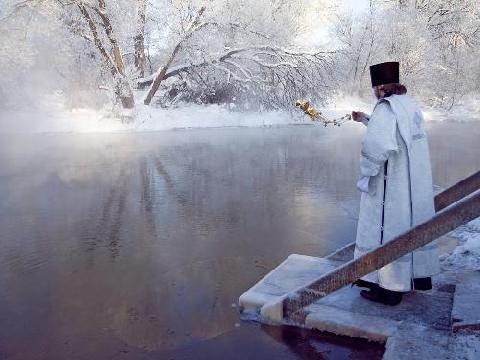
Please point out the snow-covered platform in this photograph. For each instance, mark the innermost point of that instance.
(466, 305)
(422, 326)
(294, 272)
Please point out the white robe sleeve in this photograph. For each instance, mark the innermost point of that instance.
(363, 184)
(365, 119)
(380, 140)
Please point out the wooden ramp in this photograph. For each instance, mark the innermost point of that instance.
(315, 292)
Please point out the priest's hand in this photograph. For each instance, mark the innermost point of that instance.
(358, 116)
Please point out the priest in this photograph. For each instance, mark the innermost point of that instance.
(396, 185)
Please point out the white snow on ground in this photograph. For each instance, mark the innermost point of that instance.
(466, 255)
(53, 118)
(467, 109)
(465, 258)
(141, 119)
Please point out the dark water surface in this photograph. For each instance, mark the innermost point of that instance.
(135, 246)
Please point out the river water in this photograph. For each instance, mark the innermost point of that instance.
(137, 246)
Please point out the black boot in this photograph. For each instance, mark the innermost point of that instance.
(382, 296)
(422, 283)
(364, 284)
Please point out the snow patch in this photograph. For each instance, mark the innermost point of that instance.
(467, 254)
(467, 109)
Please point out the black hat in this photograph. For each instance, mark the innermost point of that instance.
(385, 73)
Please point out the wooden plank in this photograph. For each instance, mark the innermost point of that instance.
(291, 305)
(446, 198)
(458, 191)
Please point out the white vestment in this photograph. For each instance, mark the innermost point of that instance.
(396, 140)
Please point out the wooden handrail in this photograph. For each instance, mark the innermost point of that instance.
(290, 306)
(446, 198)
(458, 191)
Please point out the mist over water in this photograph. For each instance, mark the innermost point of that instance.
(139, 244)
(122, 238)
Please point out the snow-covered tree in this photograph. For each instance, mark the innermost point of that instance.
(242, 53)
(436, 42)
(92, 20)
(88, 29)
(245, 53)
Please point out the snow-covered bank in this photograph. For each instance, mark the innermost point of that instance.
(53, 118)
(467, 109)
(142, 119)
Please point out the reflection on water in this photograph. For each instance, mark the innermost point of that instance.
(138, 244)
(279, 343)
